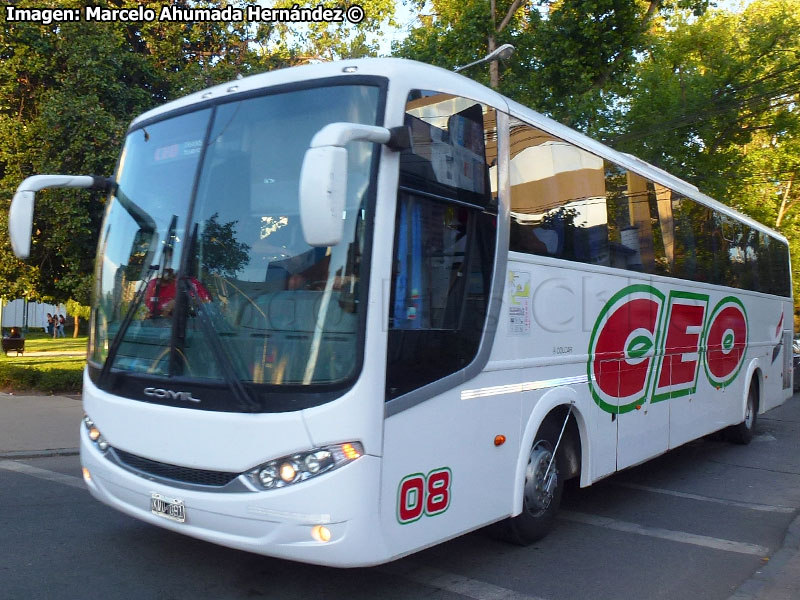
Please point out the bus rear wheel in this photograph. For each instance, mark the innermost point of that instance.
(542, 489)
(744, 431)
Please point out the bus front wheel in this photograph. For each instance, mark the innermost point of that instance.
(542, 489)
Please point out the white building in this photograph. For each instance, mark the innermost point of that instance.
(14, 313)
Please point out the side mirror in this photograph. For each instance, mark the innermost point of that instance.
(20, 222)
(20, 214)
(323, 179)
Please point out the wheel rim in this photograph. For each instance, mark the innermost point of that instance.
(749, 412)
(537, 498)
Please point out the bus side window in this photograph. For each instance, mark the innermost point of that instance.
(445, 232)
(639, 228)
(557, 198)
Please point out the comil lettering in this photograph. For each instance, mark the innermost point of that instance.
(647, 347)
(163, 394)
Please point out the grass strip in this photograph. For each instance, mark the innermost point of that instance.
(49, 374)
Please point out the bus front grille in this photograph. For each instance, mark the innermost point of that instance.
(174, 472)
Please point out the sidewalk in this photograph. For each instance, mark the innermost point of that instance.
(33, 426)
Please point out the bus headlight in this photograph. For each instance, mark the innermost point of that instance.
(94, 434)
(298, 467)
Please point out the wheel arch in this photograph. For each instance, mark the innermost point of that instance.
(754, 374)
(554, 405)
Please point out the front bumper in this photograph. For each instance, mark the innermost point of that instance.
(274, 523)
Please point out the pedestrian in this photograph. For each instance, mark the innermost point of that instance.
(50, 323)
(60, 327)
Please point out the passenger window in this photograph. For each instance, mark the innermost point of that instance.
(450, 151)
(640, 224)
(444, 245)
(557, 198)
(570, 204)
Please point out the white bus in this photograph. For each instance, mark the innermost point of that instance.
(343, 312)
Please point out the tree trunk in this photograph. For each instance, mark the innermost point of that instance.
(494, 71)
(782, 209)
(75, 331)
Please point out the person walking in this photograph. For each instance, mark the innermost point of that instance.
(60, 326)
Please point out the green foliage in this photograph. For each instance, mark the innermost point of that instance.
(68, 92)
(56, 375)
(715, 101)
(331, 41)
(571, 55)
(76, 309)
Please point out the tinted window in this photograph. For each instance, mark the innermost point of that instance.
(636, 231)
(568, 203)
(444, 244)
(449, 148)
(558, 203)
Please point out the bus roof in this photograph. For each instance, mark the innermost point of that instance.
(415, 74)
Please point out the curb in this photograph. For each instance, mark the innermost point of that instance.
(774, 569)
(17, 454)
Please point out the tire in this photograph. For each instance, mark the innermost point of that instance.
(539, 508)
(744, 431)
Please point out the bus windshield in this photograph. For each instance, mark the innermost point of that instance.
(203, 274)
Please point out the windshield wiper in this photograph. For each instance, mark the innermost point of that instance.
(123, 327)
(215, 342)
(140, 293)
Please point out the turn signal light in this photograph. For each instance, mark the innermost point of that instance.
(350, 452)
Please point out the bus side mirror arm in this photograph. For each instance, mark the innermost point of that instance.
(20, 214)
(323, 177)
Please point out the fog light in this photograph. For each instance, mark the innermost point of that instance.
(87, 477)
(321, 533)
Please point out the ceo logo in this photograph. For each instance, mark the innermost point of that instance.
(163, 394)
(647, 347)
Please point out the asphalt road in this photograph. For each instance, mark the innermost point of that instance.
(701, 522)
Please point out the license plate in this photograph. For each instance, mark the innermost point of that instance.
(169, 508)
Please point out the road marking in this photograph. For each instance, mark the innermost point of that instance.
(18, 467)
(666, 534)
(450, 582)
(435, 578)
(748, 505)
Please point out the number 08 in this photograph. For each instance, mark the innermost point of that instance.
(420, 494)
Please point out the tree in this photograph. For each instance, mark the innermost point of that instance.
(69, 90)
(334, 40)
(78, 311)
(715, 101)
(221, 253)
(571, 55)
